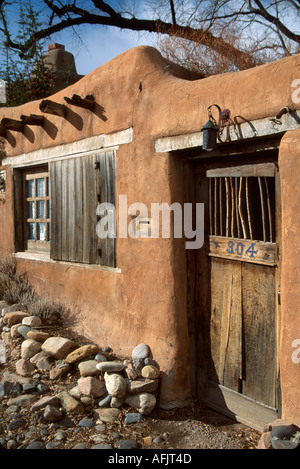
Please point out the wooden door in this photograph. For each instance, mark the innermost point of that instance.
(238, 320)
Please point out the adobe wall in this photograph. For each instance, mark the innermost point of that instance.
(289, 167)
(145, 301)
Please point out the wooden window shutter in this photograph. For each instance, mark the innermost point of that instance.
(78, 185)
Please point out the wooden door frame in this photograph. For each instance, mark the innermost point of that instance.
(195, 163)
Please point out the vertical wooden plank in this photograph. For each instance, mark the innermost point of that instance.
(225, 323)
(248, 208)
(238, 220)
(56, 210)
(210, 198)
(64, 211)
(78, 207)
(71, 200)
(263, 212)
(259, 324)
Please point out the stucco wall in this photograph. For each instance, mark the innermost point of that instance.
(289, 166)
(146, 299)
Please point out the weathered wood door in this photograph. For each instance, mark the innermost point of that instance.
(237, 291)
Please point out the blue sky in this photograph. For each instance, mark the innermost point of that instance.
(97, 46)
(92, 46)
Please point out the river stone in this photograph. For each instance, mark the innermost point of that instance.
(32, 321)
(150, 372)
(115, 384)
(146, 385)
(52, 413)
(70, 404)
(110, 366)
(88, 368)
(143, 402)
(54, 401)
(141, 351)
(14, 333)
(90, 386)
(81, 353)
(23, 331)
(109, 415)
(14, 317)
(37, 335)
(58, 347)
(22, 401)
(24, 367)
(29, 348)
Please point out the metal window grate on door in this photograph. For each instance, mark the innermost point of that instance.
(242, 213)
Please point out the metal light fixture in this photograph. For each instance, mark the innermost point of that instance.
(211, 130)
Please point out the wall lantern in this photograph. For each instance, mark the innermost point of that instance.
(211, 130)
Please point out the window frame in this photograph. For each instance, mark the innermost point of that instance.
(36, 245)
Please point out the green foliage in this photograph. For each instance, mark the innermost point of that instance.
(27, 78)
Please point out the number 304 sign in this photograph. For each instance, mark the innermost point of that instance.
(245, 250)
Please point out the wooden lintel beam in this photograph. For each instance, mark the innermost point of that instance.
(50, 107)
(33, 119)
(12, 124)
(87, 103)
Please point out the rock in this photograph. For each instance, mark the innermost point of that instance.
(143, 402)
(52, 413)
(129, 370)
(277, 443)
(81, 446)
(150, 372)
(141, 351)
(110, 366)
(85, 422)
(147, 440)
(90, 386)
(105, 401)
(115, 384)
(14, 333)
(109, 415)
(38, 335)
(14, 317)
(32, 321)
(88, 368)
(81, 353)
(100, 358)
(58, 371)
(116, 402)
(70, 404)
(149, 361)
(29, 348)
(157, 440)
(16, 424)
(5, 388)
(22, 401)
(58, 347)
(54, 401)
(24, 367)
(3, 357)
(12, 377)
(6, 338)
(102, 446)
(145, 385)
(23, 331)
(36, 445)
(283, 431)
(126, 444)
(133, 418)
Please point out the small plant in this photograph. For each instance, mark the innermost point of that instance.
(16, 289)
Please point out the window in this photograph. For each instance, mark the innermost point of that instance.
(37, 211)
(55, 211)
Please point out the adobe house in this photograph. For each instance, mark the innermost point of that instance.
(221, 320)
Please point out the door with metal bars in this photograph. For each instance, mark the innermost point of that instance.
(240, 318)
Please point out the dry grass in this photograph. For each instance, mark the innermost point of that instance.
(16, 289)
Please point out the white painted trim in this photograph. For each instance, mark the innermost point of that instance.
(269, 126)
(43, 257)
(71, 150)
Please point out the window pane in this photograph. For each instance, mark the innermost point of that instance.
(31, 231)
(30, 188)
(41, 231)
(40, 187)
(30, 210)
(41, 209)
